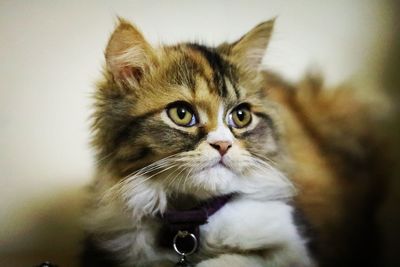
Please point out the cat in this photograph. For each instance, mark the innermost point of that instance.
(162, 117)
(185, 125)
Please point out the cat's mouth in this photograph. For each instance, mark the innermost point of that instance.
(220, 163)
(222, 166)
(217, 164)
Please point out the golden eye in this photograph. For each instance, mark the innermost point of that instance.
(240, 117)
(182, 115)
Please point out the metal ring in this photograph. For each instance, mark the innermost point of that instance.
(183, 234)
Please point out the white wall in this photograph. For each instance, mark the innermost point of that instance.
(51, 54)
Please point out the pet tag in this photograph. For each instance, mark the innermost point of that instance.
(183, 262)
(184, 237)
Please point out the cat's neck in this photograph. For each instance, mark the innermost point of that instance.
(183, 202)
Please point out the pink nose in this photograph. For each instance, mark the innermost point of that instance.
(221, 146)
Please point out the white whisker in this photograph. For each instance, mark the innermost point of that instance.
(97, 162)
(176, 176)
(147, 178)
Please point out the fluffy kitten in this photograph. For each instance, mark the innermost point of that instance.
(178, 125)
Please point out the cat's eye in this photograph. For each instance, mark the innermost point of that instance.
(240, 117)
(181, 114)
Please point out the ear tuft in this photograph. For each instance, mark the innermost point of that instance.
(249, 50)
(128, 55)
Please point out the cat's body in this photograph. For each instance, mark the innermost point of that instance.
(191, 120)
(340, 162)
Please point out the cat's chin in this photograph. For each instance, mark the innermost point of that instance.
(216, 172)
(213, 181)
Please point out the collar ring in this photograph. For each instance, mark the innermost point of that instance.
(182, 235)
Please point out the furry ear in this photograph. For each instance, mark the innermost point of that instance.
(249, 50)
(128, 55)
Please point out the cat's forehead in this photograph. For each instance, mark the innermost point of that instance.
(202, 76)
(203, 71)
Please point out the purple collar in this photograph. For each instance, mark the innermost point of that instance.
(189, 220)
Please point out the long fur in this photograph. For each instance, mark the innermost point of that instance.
(148, 163)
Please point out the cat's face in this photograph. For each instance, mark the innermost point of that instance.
(190, 118)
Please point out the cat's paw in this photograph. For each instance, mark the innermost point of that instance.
(164, 263)
(236, 260)
(250, 225)
(233, 260)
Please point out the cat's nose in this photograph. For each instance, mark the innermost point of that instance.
(221, 146)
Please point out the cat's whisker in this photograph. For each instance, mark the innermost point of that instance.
(186, 178)
(263, 161)
(145, 170)
(131, 181)
(179, 166)
(152, 169)
(265, 158)
(181, 181)
(176, 176)
(169, 175)
(154, 166)
(262, 165)
(259, 155)
(135, 185)
(100, 160)
(162, 170)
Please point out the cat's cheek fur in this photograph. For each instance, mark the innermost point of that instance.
(243, 226)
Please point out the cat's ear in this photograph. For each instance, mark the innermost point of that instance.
(249, 50)
(128, 55)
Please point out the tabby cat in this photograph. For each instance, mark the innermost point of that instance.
(179, 127)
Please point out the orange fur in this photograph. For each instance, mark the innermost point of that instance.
(333, 145)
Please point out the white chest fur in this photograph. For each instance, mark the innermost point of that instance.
(232, 234)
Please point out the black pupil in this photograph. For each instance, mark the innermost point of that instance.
(181, 112)
(240, 114)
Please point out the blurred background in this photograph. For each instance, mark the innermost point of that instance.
(51, 53)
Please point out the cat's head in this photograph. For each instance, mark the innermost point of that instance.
(189, 118)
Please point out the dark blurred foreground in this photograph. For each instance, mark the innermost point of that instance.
(389, 217)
